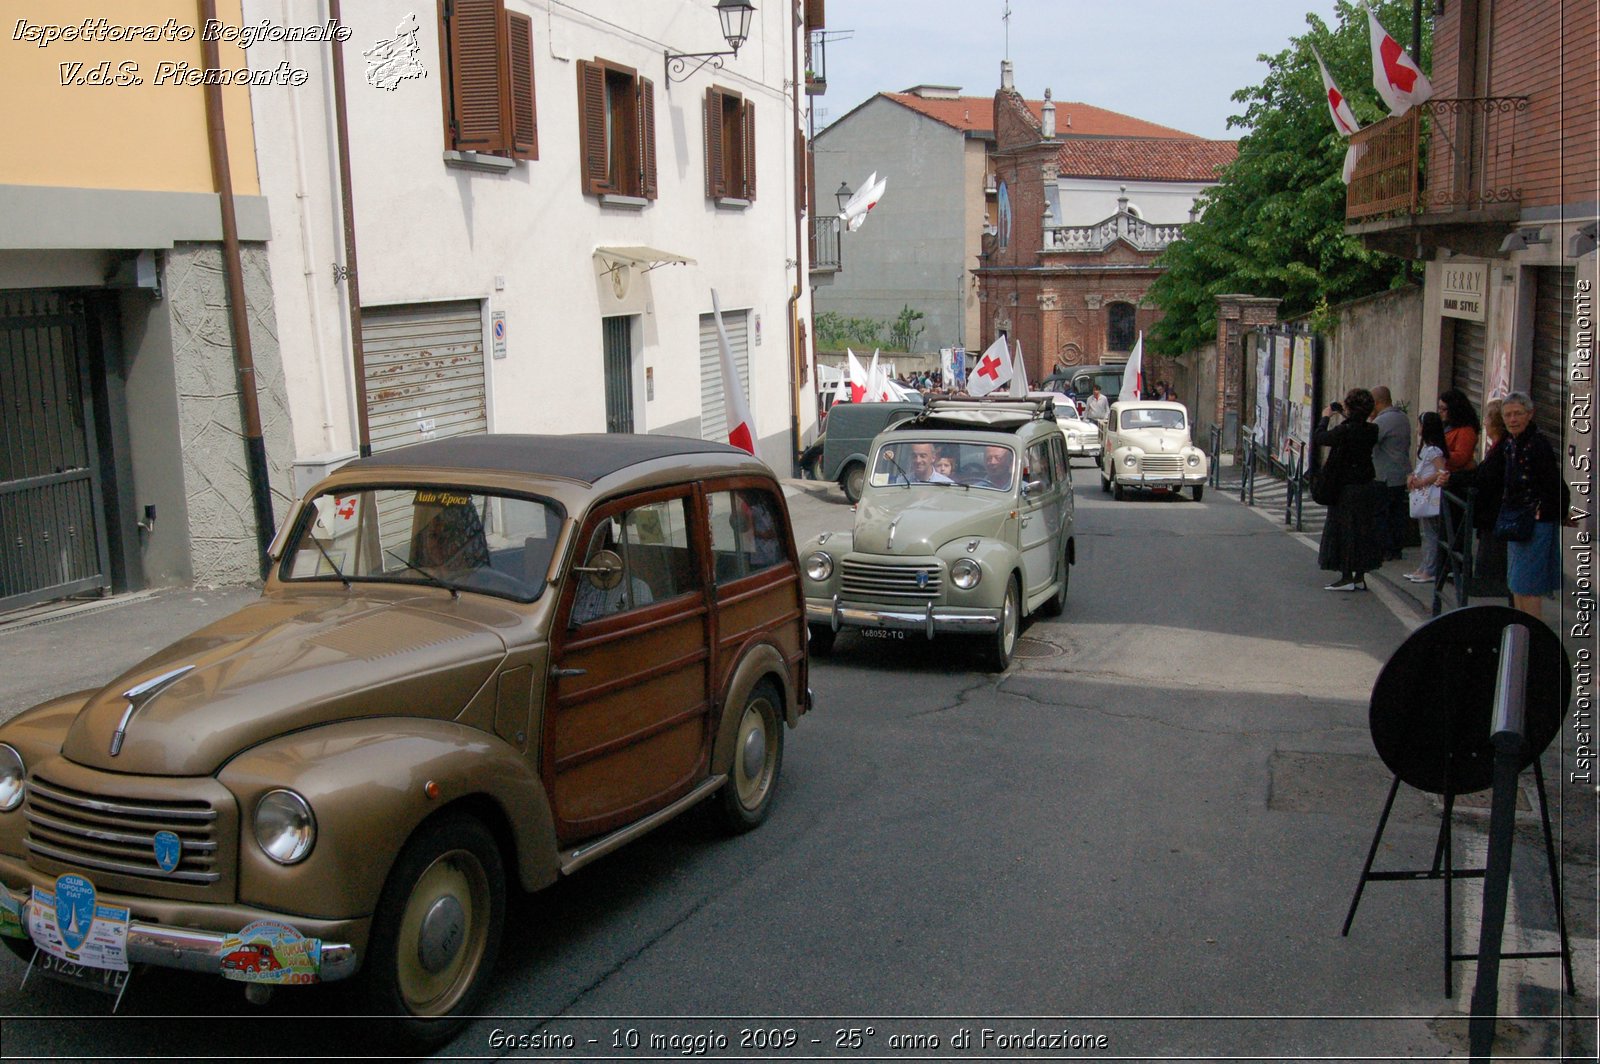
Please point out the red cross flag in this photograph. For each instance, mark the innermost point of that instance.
(741, 426)
(1344, 120)
(993, 368)
(1398, 79)
(1133, 374)
(858, 378)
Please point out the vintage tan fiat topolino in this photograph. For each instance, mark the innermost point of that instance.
(476, 662)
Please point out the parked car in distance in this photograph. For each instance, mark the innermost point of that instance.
(477, 663)
(1148, 448)
(1080, 380)
(847, 438)
(971, 550)
(1082, 435)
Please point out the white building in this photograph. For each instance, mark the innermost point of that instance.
(543, 206)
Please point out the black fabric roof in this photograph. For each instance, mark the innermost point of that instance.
(583, 456)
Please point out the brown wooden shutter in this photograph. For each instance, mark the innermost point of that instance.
(592, 126)
(716, 171)
(524, 117)
(747, 115)
(477, 41)
(647, 138)
(815, 18)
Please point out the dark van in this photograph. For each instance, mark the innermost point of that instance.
(848, 438)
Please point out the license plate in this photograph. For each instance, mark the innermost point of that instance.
(104, 980)
(883, 633)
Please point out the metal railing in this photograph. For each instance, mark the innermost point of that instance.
(1295, 480)
(1215, 476)
(1446, 155)
(1455, 547)
(1247, 471)
(825, 243)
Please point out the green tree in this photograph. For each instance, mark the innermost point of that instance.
(905, 330)
(1274, 225)
(835, 331)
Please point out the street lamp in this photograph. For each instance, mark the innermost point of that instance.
(843, 195)
(735, 18)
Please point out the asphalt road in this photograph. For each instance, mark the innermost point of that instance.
(1147, 831)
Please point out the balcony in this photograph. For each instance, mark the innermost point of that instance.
(816, 62)
(825, 261)
(1442, 175)
(1143, 235)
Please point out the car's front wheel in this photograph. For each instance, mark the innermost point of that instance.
(1004, 641)
(1105, 481)
(1198, 491)
(821, 637)
(436, 931)
(757, 759)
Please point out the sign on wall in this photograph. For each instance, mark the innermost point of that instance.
(1465, 286)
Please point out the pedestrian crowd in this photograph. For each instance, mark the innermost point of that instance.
(1375, 484)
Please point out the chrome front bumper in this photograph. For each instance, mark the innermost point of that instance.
(930, 619)
(1143, 480)
(195, 951)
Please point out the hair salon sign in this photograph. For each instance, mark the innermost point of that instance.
(1465, 286)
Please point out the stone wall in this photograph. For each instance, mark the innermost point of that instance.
(1375, 340)
(216, 472)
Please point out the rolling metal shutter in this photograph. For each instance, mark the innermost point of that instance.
(713, 410)
(425, 372)
(1552, 331)
(1466, 360)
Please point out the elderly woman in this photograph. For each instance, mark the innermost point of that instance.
(1532, 484)
(1350, 544)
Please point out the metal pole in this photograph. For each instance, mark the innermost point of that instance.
(1506, 736)
(238, 313)
(347, 204)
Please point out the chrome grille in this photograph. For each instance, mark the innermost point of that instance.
(870, 580)
(116, 834)
(1162, 465)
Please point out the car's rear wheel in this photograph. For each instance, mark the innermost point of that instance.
(436, 931)
(853, 480)
(1198, 491)
(757, 759)
(1004, 641)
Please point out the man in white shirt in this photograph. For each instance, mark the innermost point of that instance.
(1099, 407)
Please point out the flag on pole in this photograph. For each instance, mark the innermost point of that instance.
(865, 198)
(874, 381)
(741, 426)
(1344, 120)
(992, 370)
(1133, 374)
(1019, 373)
(1395, 75)
(858, 378)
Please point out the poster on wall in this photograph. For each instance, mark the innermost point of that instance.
(1263, 415)
(1502, 328)
(1301, 415)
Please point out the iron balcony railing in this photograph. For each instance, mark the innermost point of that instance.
(1441, 157)
(825, 244)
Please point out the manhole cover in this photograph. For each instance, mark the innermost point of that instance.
(1028, 647)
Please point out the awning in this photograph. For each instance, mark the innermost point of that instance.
(647, 257)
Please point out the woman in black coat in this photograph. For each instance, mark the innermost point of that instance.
(1350, 544)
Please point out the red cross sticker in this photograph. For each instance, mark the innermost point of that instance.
(990, 367)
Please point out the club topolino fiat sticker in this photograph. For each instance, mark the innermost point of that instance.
(69, 922)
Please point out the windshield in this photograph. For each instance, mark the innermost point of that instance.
(463, 540)
(946, 462)
(1152, 418)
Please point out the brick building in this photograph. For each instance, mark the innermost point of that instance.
(1081, 217)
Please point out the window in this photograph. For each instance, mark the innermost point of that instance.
(1039, 465)
(617, 121)
(1119, 326)
(730, 138)
(652, 544)
(746, 533)
(488, 79)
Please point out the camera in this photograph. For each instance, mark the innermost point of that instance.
(1336, 406)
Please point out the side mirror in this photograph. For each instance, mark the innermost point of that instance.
(604, 571)
(1032, 486)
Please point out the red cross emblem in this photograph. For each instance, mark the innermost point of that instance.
(990, 367)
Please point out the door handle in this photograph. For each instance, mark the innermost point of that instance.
(1025, 521)
(568, 672)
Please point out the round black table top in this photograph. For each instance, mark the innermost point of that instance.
(1433, 703)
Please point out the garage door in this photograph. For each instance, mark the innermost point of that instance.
(1552, 331)
(425, 372)
(1466, 365)
(713, 408)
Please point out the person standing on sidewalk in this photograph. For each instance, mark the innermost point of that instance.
(1461, 429)
(1533, 482)
(1391, 461)
(1424, 484)
(1349, 537)
(1488, 481)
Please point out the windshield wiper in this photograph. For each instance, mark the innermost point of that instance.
(436, 581)
(345, 580)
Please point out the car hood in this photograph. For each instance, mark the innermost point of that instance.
(1157, 440)
(278, 666)
(924, 519)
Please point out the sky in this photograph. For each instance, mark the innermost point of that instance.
(1174, 62)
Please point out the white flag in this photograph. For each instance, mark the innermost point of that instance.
(1133, 374)
(865, 198)
(874, 381)
(741, 426)
(1395, 75)
(858, 378)
(1019, 373)
(1344, 120)
(992, 370)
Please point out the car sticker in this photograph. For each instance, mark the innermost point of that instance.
(267, 951)
(13, 916)
(69, 922)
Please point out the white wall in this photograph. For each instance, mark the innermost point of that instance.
(1085, 201)
(523, 241)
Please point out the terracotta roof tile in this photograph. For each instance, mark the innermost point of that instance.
(1146, 159)
(973, 114)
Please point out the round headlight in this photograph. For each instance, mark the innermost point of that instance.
(13, 778)
(966, 573)
(1130, 460)
(818, 566)
(285, 828)
(1194, 459)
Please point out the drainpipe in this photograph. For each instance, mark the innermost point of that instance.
(238, 315)
(797, 22)
(347, 206)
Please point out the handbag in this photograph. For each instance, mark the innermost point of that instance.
(1425, 502)
(1327, 483)
(1515, 523)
